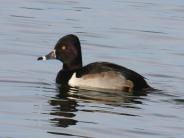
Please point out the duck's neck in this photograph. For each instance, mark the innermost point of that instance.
(72, 66)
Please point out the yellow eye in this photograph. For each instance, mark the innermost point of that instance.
(63, 47)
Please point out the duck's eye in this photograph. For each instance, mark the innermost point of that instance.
(63, 47)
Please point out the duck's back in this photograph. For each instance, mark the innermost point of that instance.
(108, 76)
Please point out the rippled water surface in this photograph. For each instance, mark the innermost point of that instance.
(146, 36)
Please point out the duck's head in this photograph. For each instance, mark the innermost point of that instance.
(67, 50)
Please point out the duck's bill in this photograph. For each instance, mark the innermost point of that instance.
(51, 55)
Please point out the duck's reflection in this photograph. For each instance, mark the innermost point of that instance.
(64, 108)
(67, 100)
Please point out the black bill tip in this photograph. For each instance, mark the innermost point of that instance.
(41, 58)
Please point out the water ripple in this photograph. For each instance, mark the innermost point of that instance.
(31, 8)
(21, 16)
(66, 134)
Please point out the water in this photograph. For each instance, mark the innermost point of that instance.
(146, 36)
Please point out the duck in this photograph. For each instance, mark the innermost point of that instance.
(96, 75)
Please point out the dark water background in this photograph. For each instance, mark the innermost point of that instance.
(146, 36)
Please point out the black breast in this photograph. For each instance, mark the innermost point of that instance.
(63, 77)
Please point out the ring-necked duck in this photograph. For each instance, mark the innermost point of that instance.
(102, 75)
